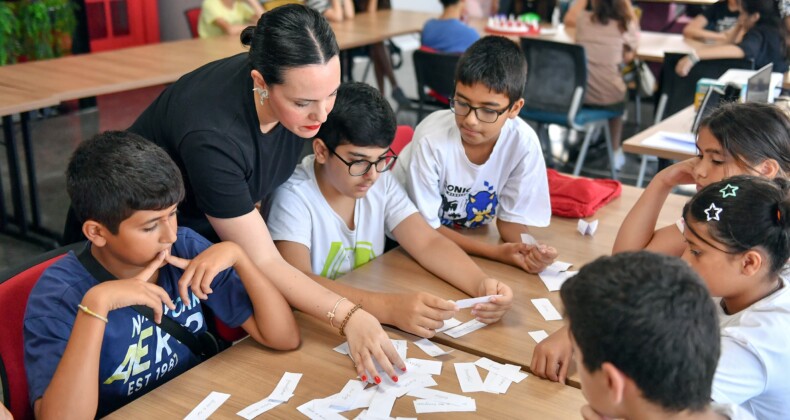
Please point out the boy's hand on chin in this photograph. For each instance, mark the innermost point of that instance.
(200, 271)
(115, 294)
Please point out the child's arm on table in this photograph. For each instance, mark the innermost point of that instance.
(638, 230)
(73, 391)
(539, 257)
(272, 322)
(433, 251)
(418, 313)
(552, 356)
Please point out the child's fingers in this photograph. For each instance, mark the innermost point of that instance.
(183, 284)
(197, 279)
(151, 268)
(563, 373)
(538, 364)
(181, 263)
(162, 295)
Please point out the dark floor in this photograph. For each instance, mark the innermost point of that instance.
(55, 137)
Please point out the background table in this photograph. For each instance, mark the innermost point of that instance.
(507, 341)
(249, 372)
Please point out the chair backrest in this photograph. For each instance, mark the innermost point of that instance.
(434, 71)
(676, 93)
(403, 136)
(273, 4)
(556, 76)
(193, 16)
(15, 287)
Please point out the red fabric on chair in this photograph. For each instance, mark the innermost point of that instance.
(403, 136)
(15, 287)
(193, 16)
(580, 197)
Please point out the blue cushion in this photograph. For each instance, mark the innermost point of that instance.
(584, 116)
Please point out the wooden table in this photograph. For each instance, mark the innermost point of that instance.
(677, 123)
(249, 372)
(507, 341)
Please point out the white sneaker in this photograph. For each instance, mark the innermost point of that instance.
(619, 159)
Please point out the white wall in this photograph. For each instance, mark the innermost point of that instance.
(419, 5)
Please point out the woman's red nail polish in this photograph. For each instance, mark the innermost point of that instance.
(364, 378)
(394, 378)
(403, 369)
(377, 379)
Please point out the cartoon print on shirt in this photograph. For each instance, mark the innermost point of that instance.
(479, 207)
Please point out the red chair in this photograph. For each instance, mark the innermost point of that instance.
(403, 136)
(15, 287)
(193, 16)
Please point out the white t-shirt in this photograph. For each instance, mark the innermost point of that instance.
(754, 368)
(450, 190)
(301, 214)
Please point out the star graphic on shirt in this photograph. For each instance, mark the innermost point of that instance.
(713, 212)
(728, 191)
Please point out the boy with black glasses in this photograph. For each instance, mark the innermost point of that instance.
(334, 212)
(478, 161)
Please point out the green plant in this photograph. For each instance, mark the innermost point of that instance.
(36, 30)
(9, 33)
(61, 13)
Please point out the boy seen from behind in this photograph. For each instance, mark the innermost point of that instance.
(334, 212)
(87, 351)
(478, 161)
(646, 339)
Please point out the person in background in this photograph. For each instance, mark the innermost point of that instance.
(763, 40)
(447, 33)
(227, 17)
(609, 34)
(715, 23)
(333, 10)
(380, 55)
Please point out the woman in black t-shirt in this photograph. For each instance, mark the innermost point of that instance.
(235, 128)
(763, 40)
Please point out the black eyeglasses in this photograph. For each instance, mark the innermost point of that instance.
(486, 115)
(361, 167)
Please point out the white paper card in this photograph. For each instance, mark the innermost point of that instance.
(435, 406)
(319, 411)
(546, 309)
(430, 349)
(436, 395)
(260, 407)
(469, 377)
(208, 406)
(538, 335)
(512, 372)
(528, 239)
(400, 347)
(450, 323)
(468, 303)
(587, 228)
(465, 328)
(415, 381)
(672, 141)
(429, 367)
(554, 280)
(286, 387)
(496, 384)
(382, 403)
(342, 349)
(347, 397)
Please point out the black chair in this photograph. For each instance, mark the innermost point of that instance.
(556, 82)
(676, 93)
(435, 72)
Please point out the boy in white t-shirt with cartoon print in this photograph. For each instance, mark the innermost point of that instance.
(478, 161)
(332, 216)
